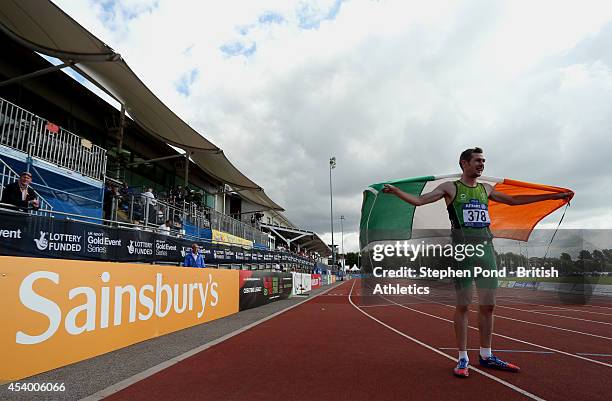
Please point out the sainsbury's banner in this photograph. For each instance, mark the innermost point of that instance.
(28, 235)
(259, 288)
(315, 280)
(57, 312)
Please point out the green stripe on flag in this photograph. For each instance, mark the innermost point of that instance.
(386, 217)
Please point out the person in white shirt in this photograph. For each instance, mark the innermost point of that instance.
(148, 197)
(164, 229)
(149, 202)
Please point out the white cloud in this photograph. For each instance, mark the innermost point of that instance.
(391, 88)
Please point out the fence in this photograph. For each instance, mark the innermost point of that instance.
(31, 134)
(148, 211)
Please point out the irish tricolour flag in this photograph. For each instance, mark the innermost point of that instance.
(385, 217)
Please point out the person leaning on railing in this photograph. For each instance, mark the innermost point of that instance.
(20, 194)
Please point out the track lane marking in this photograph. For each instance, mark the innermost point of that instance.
(545, 325)
(507, 337)
(379, 305)
(565, 309)
(598, 306)
(503, 350)
(437, 351)
(517, 320)
(114, 388)
(528, 322)
(540, 312)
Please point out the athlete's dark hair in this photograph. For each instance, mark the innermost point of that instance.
(467, 155)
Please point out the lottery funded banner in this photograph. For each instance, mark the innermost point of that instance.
(57, 312)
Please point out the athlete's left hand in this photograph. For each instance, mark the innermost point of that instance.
(566, 195)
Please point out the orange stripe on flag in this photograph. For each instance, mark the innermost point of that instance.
(517, 222)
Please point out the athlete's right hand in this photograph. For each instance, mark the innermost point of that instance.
(389, 189)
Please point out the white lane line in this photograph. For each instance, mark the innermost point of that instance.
(502, 350)
(565, 309)
(545, 325)
(437, 351)
(599, 306)
(520, 320)
(552, 314)
(378, 305)
(112, 389)
(508, 337)
(586, 353)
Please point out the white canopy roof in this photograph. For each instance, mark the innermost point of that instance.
(43, 27)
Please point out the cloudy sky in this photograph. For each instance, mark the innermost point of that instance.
(393, 89)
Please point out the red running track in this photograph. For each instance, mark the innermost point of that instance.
(329, 349)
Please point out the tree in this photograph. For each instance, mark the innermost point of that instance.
(607, 254)
(584, 255)
(566, 262)
(598, 256)
(351, 259)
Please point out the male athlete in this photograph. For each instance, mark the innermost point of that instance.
(467, 204)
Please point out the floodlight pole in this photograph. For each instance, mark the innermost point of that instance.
(332, 165)
(342, 249)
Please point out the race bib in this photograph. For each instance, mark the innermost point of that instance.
(476, 214)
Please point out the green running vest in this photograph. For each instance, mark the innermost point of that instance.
(469, 212)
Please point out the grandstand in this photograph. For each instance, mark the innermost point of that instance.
(119, 177)
(92, 161)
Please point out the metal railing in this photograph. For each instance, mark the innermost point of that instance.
(222, 222)
(149, 212)
(39, 138)
(8, 176)
(295, 262)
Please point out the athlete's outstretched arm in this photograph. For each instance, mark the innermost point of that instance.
(525, 199)
(435, 195)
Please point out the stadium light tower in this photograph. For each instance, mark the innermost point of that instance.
(342, 238)
(332, 165)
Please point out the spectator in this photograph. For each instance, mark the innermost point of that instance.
(149, 203)
(188, 196)
(20, 194)
(194, 258)
(164, 229)
(138, 212)
(106, 201)
(125, 194)
(148, 197)
(110, 193)
(177, 195)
